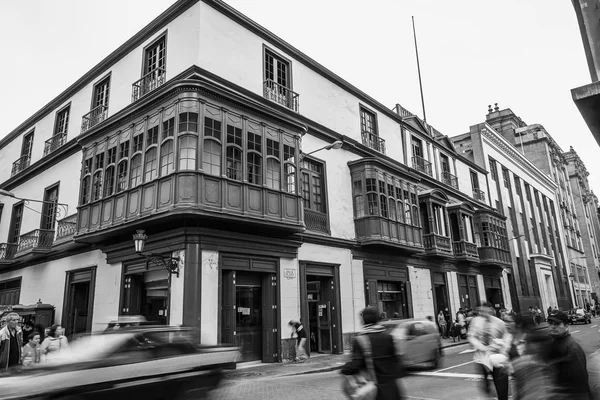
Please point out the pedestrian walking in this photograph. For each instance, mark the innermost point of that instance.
(11, 342)
(442, 324)
(569, 361)
(375, 354)
(298, 329)
(31, 351)
(54, 343)
(488, 337)
(448, 321)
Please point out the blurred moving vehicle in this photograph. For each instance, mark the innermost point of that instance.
(158, 362)
(127, 322)
(419, 340)
(577, 315)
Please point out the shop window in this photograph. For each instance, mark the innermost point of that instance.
(145, 292)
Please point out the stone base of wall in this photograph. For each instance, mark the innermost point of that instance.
(288, 349)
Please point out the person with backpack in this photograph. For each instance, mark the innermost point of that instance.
(376, 355)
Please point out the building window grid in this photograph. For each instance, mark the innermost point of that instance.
(62, 121)
(506, 177)
(493, 169)
(17, 219)
(313, 177)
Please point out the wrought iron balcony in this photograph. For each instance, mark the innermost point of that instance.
(373, 141)
(38, 239)
(316, 221)
(19, 165)
(437, 245)
(465, 250)
(152, 80)
(421, 165)
(449, 179)
(66, 227)
(7, 251)
(479, 194)
(55, 142)
(280, 94)
(94, 117)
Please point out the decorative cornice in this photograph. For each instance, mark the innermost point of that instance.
(505, 147)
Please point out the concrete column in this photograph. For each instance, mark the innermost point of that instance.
(210, 296)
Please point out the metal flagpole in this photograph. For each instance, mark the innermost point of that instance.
(419, 69)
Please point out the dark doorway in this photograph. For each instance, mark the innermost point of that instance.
(440, 293)
(79, 302)
(319, 297)
(248, 316)
(146, 293)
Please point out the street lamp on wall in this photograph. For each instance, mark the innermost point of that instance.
(60, 207)
(171, 264)
(335, 145)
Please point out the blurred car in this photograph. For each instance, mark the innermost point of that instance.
(578, 315)
(127, 322)
(419, 340)
(158, 362)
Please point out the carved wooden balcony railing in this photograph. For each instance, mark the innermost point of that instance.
(422, 165)
(316, 221)
(19, 165)
(465, 250)
(7, 251)
(38, 239)
(152, 80)
(494, 255)
(66, 227)
(373, 141)
(94, 117)
(377, 230)
(437, 244)
(479, 195)
(449, 179)
(55, 142)
(280, 94)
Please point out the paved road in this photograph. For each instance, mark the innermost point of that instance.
(455, 378)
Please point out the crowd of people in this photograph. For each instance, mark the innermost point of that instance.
(23, 346)
(539, 353)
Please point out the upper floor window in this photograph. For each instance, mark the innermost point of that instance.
(27, 145)
(493, 169)
(101, 93)
(62, 121)
(313, 185)
(277, 83)
(155, 57)
(505, 178)
(370, 131)
(15, 223)
(517, 185)
(49, 208)
(444, 163)
(474, 180)
(527, 192)
(211, 153)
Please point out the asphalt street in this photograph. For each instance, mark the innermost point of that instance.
(455, 378)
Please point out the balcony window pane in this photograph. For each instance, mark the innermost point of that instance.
(109, 181)
(383, 205)
(415, 219)
(188, 122)
(124, 150)
(306, 190)
(112, 155)
(122, 176)
(211, 157)
(85, 190)
(254, 142)
(407, 214)
(254, 168)
(212, 128)
(392, 208)
(373, 204)
(152, 137)
(400, 207)
(187, 154)
(290, 178)
(168, 128)
(272, 148)
(273, 174)
(234, 135)
(135, 176)
(167, 164)
(96, 185)
(234, 163)
(151, 166)
(359, 206)
(138, 142)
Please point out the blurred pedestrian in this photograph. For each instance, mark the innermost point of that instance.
(11, 342)
(31, 351)
(442, 324)
(531, 372)
(488, 336)
(374, 350)
(54, 342)
(569, 361)
(300, 332)
(448, 321)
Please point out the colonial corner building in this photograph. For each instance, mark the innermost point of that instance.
(275, 206)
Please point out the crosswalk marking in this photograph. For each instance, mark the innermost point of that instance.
(593, 326)
(574, 332)
(454, 366)
(449, 375)
(467, 351)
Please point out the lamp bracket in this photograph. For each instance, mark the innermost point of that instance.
(171, 264)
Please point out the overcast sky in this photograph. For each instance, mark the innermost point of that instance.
(521, 54)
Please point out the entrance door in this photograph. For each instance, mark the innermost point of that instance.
(79, 301)
(320, 322)
(440, 293)
(248, 320)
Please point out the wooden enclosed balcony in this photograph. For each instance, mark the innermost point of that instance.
(281, 95)
(152, 80)
(422, 165)
(94, 117)
(437, 245)
(373, 141)
(19, 165)
(494, 255)
(376, 230)
(38, 240)
(55, 142)
(465, 251)
(449, 179)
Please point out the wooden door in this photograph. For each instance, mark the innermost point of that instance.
(269, 318)
(228, 307)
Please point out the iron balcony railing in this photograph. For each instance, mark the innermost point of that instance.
(449, 179)
(316, 221)
(282, 95)
(55, 142)
(94, 117)
(7, 251)
(373, 141)
(421, 165)
(36, 239)
(19, 165)
(479, 194)
(66, 227)
(152, 80)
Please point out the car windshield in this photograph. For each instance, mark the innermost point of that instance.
(580, 311)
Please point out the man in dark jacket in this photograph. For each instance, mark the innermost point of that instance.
(569, 361)
(384, 354)
(11, 342)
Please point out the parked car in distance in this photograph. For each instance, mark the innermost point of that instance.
(145, 362)
(578, 315)
(419, 340)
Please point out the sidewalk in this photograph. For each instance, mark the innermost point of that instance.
(315, 364)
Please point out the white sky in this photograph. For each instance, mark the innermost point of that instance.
(522, 54)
